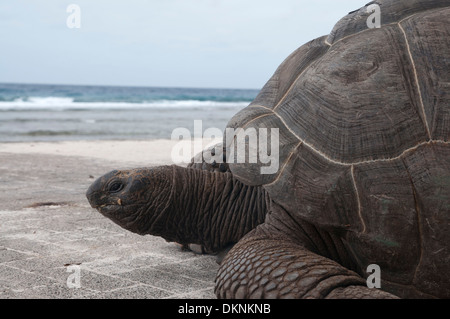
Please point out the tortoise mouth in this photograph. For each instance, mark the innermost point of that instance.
(105, 206)
(111, 210)
(99, 206)
(108, 206)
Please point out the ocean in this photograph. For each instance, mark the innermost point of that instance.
(33, 113)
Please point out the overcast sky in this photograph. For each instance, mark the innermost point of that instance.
(174, 43)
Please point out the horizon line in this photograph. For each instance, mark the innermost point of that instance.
(132, 86)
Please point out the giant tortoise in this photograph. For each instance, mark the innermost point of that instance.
(363, 119)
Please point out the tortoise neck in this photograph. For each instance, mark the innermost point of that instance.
(212, 209)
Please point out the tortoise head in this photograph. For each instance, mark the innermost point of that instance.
(133, 199)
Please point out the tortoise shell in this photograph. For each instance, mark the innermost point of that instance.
(363, 117)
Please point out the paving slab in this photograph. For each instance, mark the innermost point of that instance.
(48, 232)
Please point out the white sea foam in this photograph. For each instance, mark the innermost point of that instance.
(62, 103)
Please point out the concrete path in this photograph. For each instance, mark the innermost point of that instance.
(50, 237)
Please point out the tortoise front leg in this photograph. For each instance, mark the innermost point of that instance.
(262, 266)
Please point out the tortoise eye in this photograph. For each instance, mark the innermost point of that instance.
(115, 187)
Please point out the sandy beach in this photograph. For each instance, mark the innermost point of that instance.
(47, 227)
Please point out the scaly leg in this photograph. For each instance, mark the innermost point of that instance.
(265, 266)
